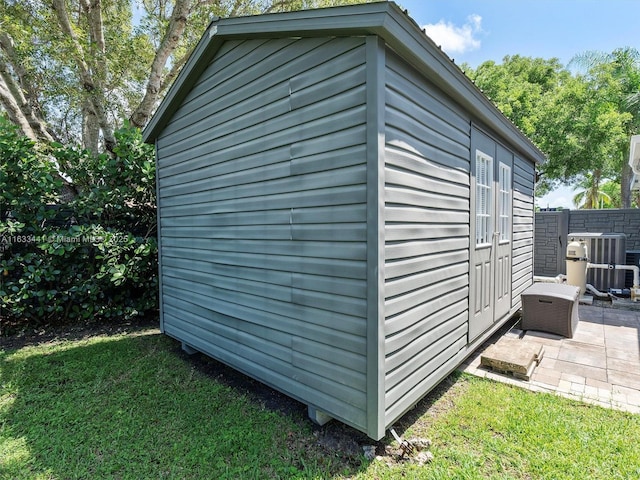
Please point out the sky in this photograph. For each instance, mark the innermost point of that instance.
(474, 31)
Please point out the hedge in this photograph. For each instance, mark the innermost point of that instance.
(91, 256)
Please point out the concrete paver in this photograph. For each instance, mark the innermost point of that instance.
(600, 365)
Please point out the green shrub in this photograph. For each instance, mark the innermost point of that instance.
(93, 256)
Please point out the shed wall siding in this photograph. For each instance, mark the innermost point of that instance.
(427, 235)
(523, 227)
(262, 198)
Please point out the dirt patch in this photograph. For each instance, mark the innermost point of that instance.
(268, 397)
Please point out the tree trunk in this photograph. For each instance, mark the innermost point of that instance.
(93, 10)
(90, 129)
(93, 85)
(625, 185)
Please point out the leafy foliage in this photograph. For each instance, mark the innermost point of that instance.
(581, 121)
(93, 256)
(79, 67)
(519, 86)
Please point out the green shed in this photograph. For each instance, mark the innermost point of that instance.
(342, 214)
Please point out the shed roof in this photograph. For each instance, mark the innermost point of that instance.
(384, 19)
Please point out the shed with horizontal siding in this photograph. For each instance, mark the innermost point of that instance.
(342, 214)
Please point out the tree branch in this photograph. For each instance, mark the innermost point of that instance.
(172, 36)
(278, 6)
(173, 73)
(13, 110)
(16, 88)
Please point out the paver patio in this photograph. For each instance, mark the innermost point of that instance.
(599, 365)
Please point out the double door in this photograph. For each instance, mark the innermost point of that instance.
(490, 279)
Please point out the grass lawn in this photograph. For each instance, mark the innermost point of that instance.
(132, 406)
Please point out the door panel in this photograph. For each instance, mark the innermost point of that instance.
(503, 239)
(482, 288)
(482, 226)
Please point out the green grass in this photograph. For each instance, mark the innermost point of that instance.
(129, 407)
(495, 431)
(133, 407)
